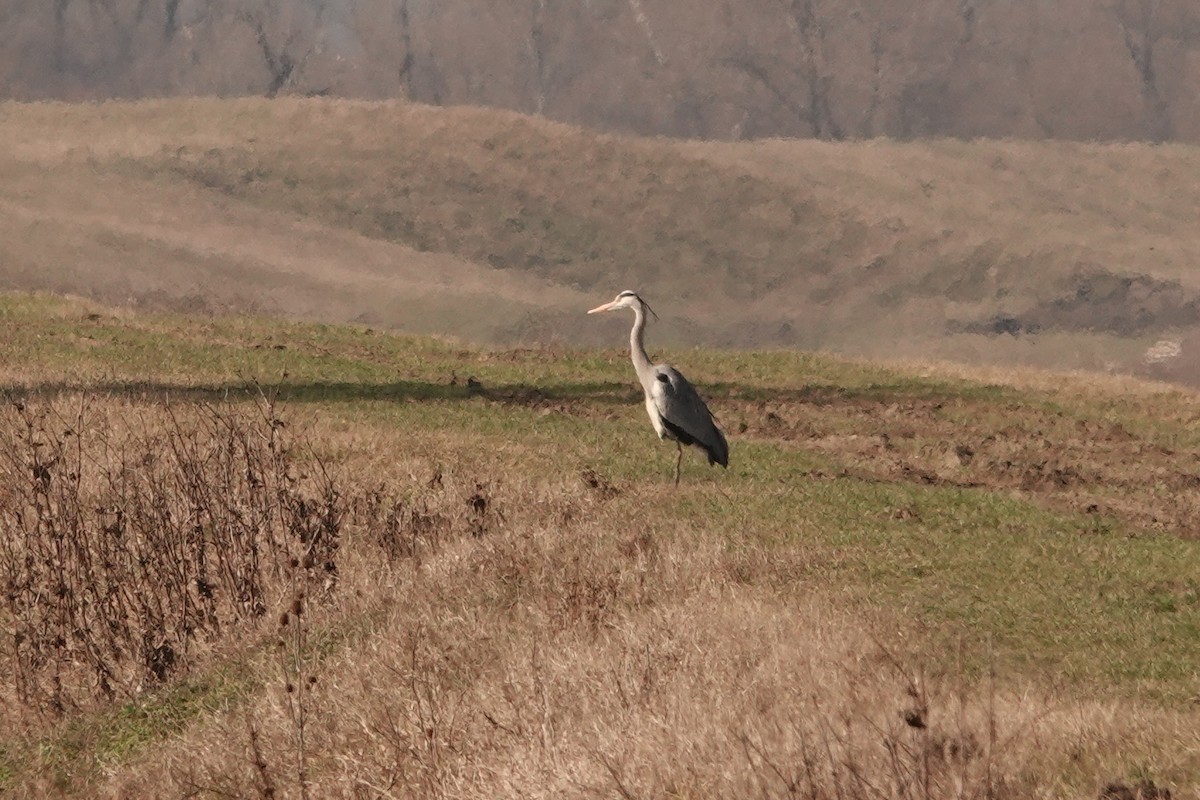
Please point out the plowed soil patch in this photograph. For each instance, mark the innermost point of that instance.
(1053, 458)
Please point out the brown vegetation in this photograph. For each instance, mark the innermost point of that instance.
(135, 534)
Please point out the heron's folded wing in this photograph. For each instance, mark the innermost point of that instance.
(681, 408)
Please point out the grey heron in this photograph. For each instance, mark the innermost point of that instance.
(675, 409)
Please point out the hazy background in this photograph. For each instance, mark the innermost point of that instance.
(965, 179)
(720, 69)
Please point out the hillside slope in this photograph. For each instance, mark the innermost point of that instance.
(498, 227)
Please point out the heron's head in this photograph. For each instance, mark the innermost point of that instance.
(626, 299)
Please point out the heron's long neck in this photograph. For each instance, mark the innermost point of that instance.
(637, 344)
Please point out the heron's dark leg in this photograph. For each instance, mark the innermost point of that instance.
(678, 458)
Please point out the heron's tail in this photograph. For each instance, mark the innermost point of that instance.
(718, 449)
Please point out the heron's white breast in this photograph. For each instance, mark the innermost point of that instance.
(655, 418)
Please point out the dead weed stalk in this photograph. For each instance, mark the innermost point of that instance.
(133, 536)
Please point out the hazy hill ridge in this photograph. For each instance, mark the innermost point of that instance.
(723, 69)
(1054, 253)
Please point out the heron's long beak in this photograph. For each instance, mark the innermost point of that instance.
(605, 307)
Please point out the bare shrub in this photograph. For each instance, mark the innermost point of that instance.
(129, 539)
(411, 522)
(402, 528)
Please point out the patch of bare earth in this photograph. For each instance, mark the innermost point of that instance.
(1055, 459)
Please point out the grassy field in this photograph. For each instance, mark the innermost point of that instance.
(339, 211)
(308, 561)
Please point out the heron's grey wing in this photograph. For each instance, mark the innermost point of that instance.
(685, 415)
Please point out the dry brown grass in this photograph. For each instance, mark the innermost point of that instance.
(591, 659)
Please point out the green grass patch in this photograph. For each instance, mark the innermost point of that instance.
(83, 744)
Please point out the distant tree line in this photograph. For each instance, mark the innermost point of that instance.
(726, 69)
